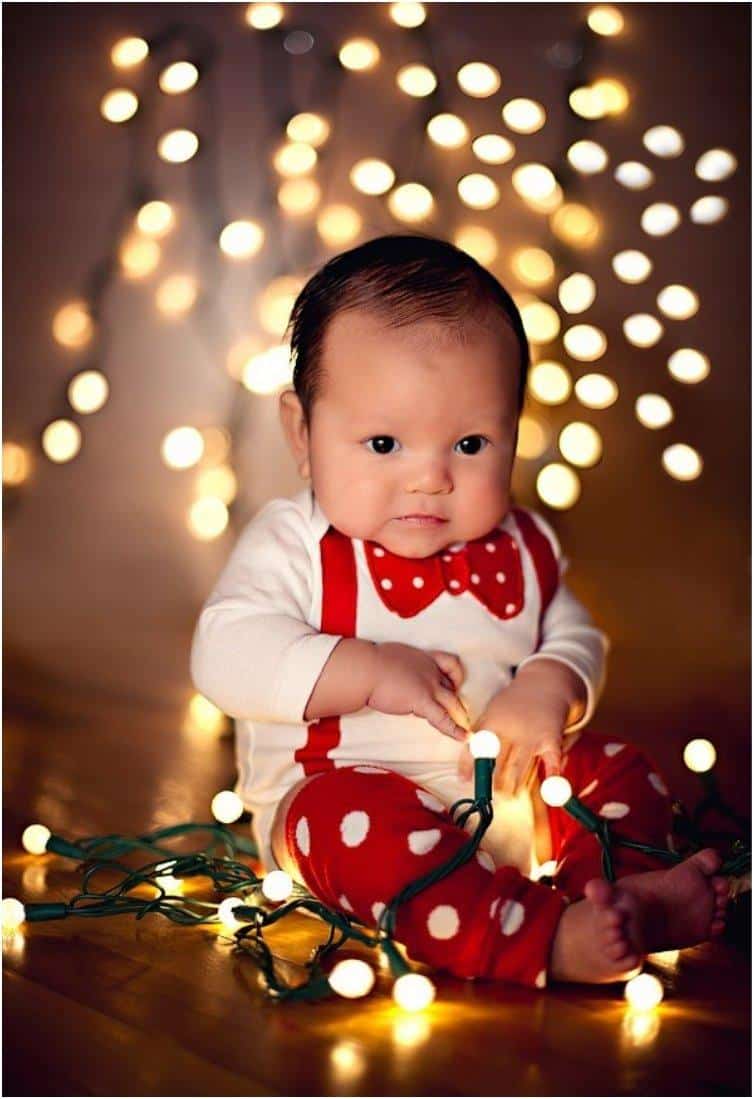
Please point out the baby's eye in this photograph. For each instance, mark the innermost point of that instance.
(473, 438)
(383, 444)
(381, 440)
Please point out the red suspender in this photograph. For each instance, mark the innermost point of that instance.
(542, 554)
(339, 591)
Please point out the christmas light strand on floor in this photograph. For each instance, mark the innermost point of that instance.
(252, 903)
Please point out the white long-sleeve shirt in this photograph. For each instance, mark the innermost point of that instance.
(294, 586)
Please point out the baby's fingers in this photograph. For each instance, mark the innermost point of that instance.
(439, 715)
(451, 665)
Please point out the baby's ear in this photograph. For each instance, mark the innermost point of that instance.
(296, 432)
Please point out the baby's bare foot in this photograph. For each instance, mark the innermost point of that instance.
(594, 941)
(682, 906)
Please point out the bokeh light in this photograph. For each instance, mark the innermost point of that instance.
(182, 447)
(61, 440)
(580, 444)
(411, 202)
(448, 131)
(309, 128)
(532, 438)
(478, 79)
(660, 218)
(632, 266)
(585, 342)
(339, 225)
(408, 14)
(359, 54)
(275, 303)
(241, 239)
(533, 266)
(634, 175)
(587, 157)
(715, 165)
(549, 382)
(682, 462)
(478, 191)
(295, 158)
(541, 322)
(128, 52)
(72, 325)
(678, 302)
(577, 292)
(119, 105)
(688, 365)
(478, 242)
(575, 224)
(416, 80)
(596, 391)
(493, 148)
(16, 463)
(664, 141)
(642, 329)
(525, 116)
(709, 209)
(299, 196)
(155, 218)
(264, 17)
(653, 410)
(605, 19)
(179, 77)
(139, 256)
(176, 295)
(177, 146)
(88, 391)
(372, 176)
(558, 486)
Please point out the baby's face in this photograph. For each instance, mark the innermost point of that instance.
(419, 419)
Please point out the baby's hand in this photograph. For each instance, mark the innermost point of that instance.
(529, 722)
(414, 681)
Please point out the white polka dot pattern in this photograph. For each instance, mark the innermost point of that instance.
(354, 828)
(475, 578)
(541, 979)
(418, 581)
(344, 902)
(588, 788)
(377, 909)
(386, 584)
(420, 843)
(485, 859)
(302, 836)
(379, 551)
(494, 907)
(500, 577)
(614, 810)
(613, 748)
(658, 784)
(366, 769)
(511, 917)
(443, 922)
(429, 801)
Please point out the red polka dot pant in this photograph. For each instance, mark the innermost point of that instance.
(360, 834)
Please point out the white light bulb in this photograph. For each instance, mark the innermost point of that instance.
(225, 912)
(34, 839)
(555, 791)
(352, 978)
(277, 885)
(644, 992)
(13, 914)
(226, 806)
(413, 991)
(700, 755)
(484, 744)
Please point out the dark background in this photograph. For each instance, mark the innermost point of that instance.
(102, 579)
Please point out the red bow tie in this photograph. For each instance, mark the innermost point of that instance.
(488, 567)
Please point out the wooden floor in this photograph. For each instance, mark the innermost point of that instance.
(115, 1007)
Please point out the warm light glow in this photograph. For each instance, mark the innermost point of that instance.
(585, 342)
(88, 391)
(277, 885)
(413, 991)
(664, 141)
(700, 755)
(588, 102)
(220, 482)
(525, 116)
(359, 54)
(605, 19)
(660, 218)
(688, 365)
(484, 744)
(477, 242)
(541, 322)
(299, 196)
(493, 148)
(709, 209)
(611, 94)
(226, 807)
(478, 191)
(241, 239)
(408, 15)
(61, 440)
(555, 791)
(119, 105)
(310, 128)
(13, 914)
(16, 463)
(546, 870)
(715, 165)
(416, 80)
(596, 391)
(295, 158)
(634, 175)
(682, 462)
(478, 79)
(577, 292)
(72, 325)
(678, 302)
(207, 518)
(580, 444)
(639, 1028)
(448, 130)
(372, 176)
(575, 224)
(587, 157)
(339, 225)
(644, 992)
(139, 256)
(240, 354)
(352, 978)
(632, 266)
(225, 912)
(176, 295)
(264, 16)
(216, 445)
(155, 218)
(178, 77)
(558, 486)
(182, 447)
(533, 266)
(409, 1031)
(532, 438)
(642, 329)
(204, 716)
(653, 411)
(34, 839)
(268, 371)
(128, 52)
(549, 382)
(276, 302)
(177, 146)
(533, 181)
(411, 202)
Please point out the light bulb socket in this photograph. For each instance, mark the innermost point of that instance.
(483, 769)
(59, 846)
(46, 912)
(584, 816)
(398, 964)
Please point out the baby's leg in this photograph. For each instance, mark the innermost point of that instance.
(358, 835)
(680, 905)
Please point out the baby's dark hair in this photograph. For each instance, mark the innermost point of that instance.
(403, 278)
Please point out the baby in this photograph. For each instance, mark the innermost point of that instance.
(361, 629)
